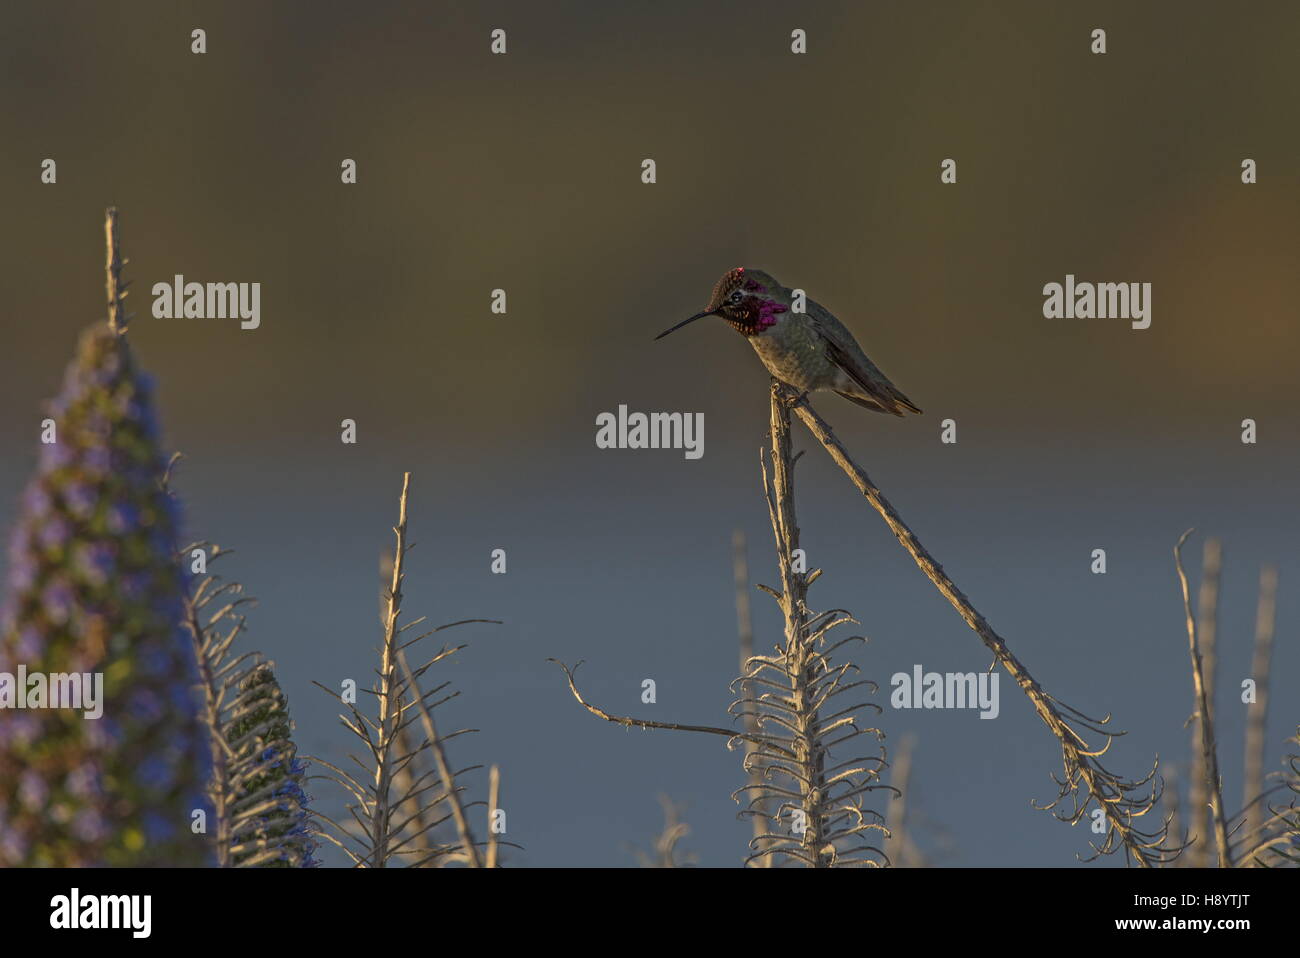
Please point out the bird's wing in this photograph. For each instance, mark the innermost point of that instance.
(842, 349)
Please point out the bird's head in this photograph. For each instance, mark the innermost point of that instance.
(749, 299)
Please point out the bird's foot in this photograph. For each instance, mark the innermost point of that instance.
(792, 401)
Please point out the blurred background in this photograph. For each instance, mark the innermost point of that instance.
(522, 172)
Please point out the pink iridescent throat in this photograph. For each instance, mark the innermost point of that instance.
(768, 310)
(767, 313)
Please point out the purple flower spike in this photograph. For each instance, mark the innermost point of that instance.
(95, 588)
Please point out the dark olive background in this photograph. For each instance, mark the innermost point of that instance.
(523, 172)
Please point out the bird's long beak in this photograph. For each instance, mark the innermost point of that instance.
(707, 312)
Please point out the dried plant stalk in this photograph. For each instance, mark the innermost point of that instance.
(115, 288)
(1286, 848)
(899, 848)
(389, 701)
(745, 628)
(494, 803)
(664, 853)
(219, 676)
(260, 814)
(1275, 841)
(1173, 807)
(391, 811)
(799, 717)
(1085, 781)
(628, 721)
(1208, 749)
(808, 803)
(1200, 824)
(1257, 715)
(414, 809)
(446, 774)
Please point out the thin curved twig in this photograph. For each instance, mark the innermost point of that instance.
(629, 722)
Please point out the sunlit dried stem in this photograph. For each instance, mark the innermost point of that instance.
(664, 852)
(494, 803)
(899, 846)
(1121, 801)
(116, 289)
(389, 701)
(1200, 824)
(797, 712)
(1209, 749)
(628, 722)
(395, 813)
(1257, 713)
(246, 787)
(445, 772)
(416, 811)
(745, 629)
(218, 678)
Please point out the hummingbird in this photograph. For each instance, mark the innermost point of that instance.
(810, 350)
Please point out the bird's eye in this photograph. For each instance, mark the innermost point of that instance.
(734, 297)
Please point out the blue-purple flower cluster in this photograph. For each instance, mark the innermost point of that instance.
(94, 586)
(269, 807)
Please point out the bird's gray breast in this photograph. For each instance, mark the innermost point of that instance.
(794, 353)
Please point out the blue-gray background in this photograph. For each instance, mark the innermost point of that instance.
(523, 172)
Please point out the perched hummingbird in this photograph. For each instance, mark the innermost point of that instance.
(809, 350)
